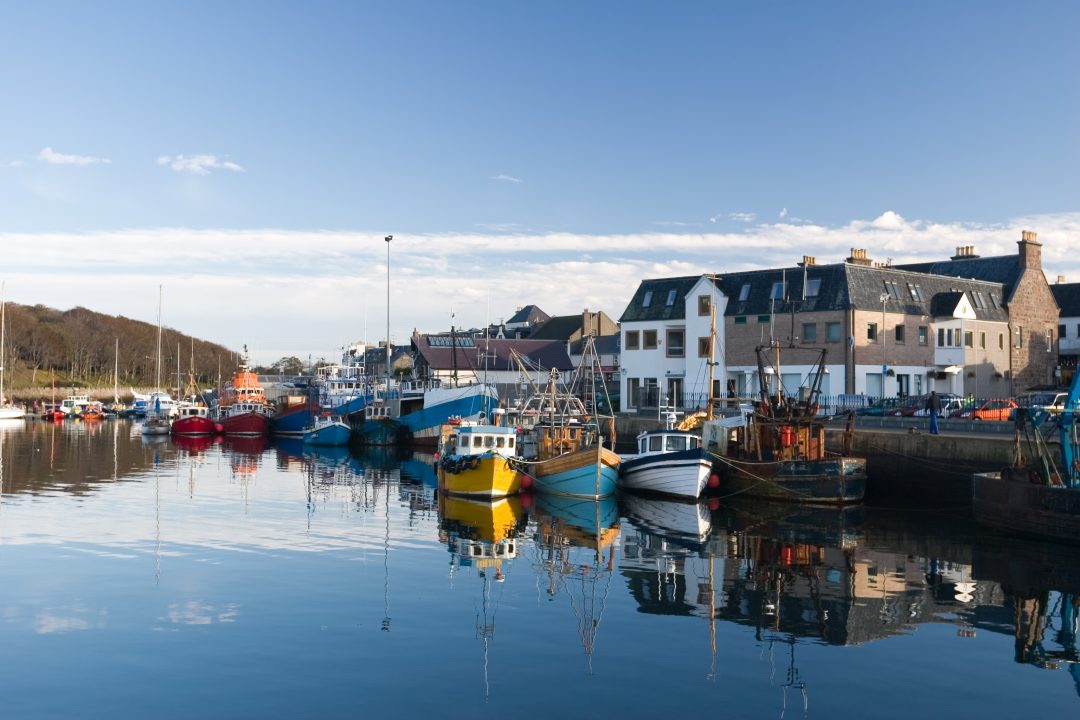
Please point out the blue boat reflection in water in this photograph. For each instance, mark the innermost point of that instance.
(576, 541)
(322, 575)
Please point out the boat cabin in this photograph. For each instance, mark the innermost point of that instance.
(187, 411)
(484, 554)
(480, 440)
(662, 441)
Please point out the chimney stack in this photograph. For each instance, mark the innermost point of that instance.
(1030, 250)
(965, 252)
(1060, 279)
(858, 257)
(808, 261)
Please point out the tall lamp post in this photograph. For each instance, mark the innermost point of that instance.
(388, 239)
(884, 364)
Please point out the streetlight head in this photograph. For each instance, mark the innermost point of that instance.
(389, 238)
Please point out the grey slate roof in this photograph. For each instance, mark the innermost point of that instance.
(1004, 269)
(560, 327)
(529, 314)
(845, 286)
(604, 344)
(658, 309)
(1068, 298)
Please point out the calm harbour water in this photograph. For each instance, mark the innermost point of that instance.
(254, 580)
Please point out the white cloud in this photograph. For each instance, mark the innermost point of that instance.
(197, 164)
(269, 279)
(54, 158)
(743, 217)
(17, 164)
(783, 213)
(507, 178)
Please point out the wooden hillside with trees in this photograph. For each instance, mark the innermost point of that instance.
(79, 346)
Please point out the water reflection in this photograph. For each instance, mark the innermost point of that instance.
(575, 543)
(333, 563)
(482, 536)
(1041, 581)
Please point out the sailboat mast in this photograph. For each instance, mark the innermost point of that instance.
(157, 362)
(116, 373)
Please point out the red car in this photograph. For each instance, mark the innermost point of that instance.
(995, 409)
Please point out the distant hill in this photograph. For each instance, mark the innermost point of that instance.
(79, 346)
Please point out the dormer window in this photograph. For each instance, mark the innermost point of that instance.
(813, 287)
(777, 291)
(671, 297)
(647, 300)
(744, 293)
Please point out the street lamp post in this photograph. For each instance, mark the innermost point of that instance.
(388, 239)
(884, 364)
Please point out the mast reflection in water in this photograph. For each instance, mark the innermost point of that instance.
(222, 579)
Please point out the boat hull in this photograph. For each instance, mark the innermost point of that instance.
(333, 434)
(584, 473)
(155, 426)
(11, 413)
(249, 424)
(423, 425)
(682, 474)
(193, 426)
(483, 476)
(1024, 507)
(292, 421)
(831, 481)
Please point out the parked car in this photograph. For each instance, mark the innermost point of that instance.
(995, 409)
(879, 407)
(1052, 400)
(910, 406)
(950, 404)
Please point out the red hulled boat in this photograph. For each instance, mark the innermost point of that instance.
(243, 409)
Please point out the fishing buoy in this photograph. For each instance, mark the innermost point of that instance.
(714, 481)
(526, 482)
(526, 501)
(219, 428)
(714, 504)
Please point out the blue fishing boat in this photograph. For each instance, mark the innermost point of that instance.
(564, 444)
(412, 413)
(327, 430)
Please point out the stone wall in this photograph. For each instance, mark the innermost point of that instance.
(1033, 319)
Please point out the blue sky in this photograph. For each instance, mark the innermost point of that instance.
(252, 155)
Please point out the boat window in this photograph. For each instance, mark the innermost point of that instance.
(510, 443)
(500, 442)
(656, 443)
(489, 442)
(695, 442)
(643, 445)
(477, 441)
(675, 442)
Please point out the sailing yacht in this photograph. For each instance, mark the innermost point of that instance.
(157, 417)
(7, 411)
